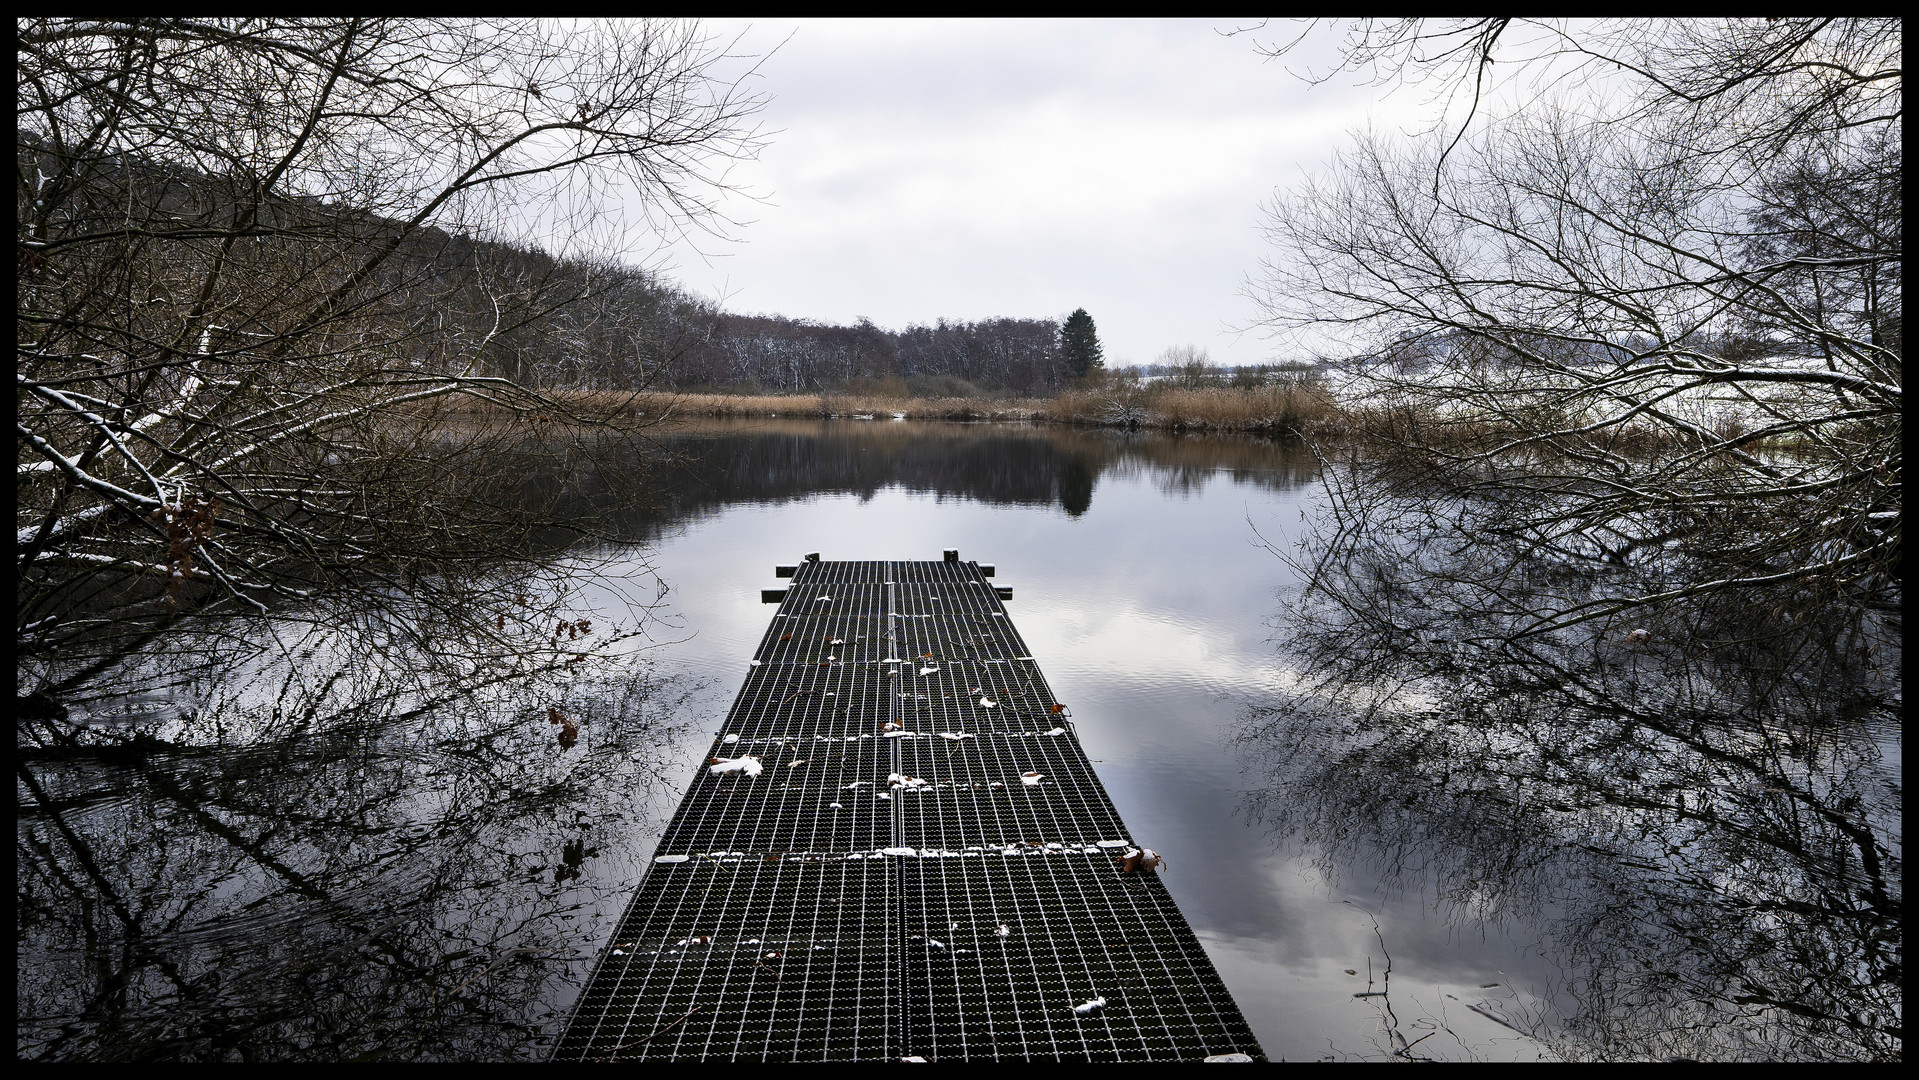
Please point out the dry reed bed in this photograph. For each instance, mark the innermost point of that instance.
(1297, 410)
(1265, 410)
(1261, 409)
(672, 406)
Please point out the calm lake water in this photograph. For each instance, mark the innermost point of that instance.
(305, 855)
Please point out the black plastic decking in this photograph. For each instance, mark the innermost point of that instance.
(817, 912)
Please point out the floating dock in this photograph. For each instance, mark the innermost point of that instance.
(917, 861)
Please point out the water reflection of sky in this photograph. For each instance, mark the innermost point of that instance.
(327, 881)
(1151, 613)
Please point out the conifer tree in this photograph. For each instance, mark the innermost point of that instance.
(1080, 344)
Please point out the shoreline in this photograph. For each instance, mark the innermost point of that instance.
(1268, 411)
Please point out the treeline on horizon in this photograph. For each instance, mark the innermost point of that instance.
(623, 328)
(497, 306)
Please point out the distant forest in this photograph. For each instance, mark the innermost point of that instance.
(450, 302)
(595, 325)
(602, 326)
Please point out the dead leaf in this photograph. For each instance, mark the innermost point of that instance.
(569, 731)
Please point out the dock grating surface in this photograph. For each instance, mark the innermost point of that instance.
(896, 882)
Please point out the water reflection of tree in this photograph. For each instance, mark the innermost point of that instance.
(732, 461)
(1689, 810)
(323, 851)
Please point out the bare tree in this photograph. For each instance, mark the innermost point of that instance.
(1614, 550)
(260, 258)
(1189, 364)
(1698, 818)
(350, 852)
(1651, 311)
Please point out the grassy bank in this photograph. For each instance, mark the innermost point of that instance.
(1266, 410)
(1305, 409)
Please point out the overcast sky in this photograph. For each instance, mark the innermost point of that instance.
(920, 169)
